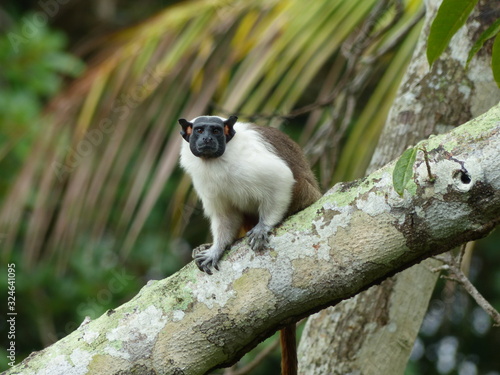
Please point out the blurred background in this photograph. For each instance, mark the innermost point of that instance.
(92, 201)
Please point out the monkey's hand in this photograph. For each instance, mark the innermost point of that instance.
(207, 256)
(259, 236)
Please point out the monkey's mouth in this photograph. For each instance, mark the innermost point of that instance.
(207, 152)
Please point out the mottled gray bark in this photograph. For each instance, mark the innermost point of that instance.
(356, 235)
(374, 332)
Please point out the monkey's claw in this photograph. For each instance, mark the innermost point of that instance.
(259, 236)
(206, 259)
(205, 262)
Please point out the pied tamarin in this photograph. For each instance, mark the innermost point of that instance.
(246, 175)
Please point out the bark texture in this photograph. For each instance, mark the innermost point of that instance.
(374, 332)
(353, 237)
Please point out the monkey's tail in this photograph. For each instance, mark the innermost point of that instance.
(288, 350)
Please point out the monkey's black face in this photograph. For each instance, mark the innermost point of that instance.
(208, 135)
(207, 140)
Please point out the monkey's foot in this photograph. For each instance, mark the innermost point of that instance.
(206, 259)
(200, 248)
(259, 236)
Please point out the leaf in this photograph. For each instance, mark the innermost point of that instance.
(495, 60)
(450, 17)
(403, 170)
(493, 30)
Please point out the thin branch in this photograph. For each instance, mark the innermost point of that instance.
(432, 178)
(455, 273)
(461, 254)
(481, 301)
(464, 260)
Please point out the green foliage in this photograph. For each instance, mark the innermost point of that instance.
(491, 32)
(33, 65)
(495, 60)
(403, 171)
(32, 68)
(451, 16)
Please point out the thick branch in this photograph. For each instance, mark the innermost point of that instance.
(355, 236)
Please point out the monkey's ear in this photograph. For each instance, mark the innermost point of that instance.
(228, 127)
(187, 128)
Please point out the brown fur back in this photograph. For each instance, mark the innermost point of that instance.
(306, 190)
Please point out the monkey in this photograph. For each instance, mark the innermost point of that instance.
(247, 177)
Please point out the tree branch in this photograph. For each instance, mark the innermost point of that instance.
(456, 274)
(355, 236)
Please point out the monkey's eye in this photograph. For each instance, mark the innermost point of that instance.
(216, 131)
(199, 130)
